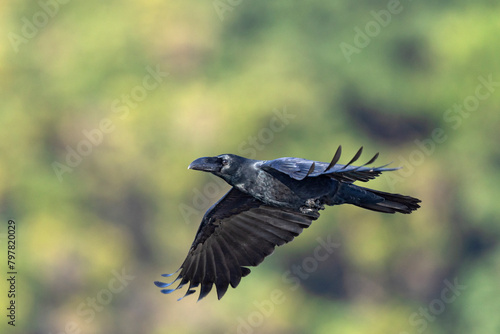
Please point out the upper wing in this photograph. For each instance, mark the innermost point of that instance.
(237, 231)
(299, 169)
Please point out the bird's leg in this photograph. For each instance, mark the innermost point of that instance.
(312, 205)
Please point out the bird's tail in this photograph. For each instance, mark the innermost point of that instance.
(391, 203)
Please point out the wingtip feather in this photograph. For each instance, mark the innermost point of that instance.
(335, 158)
(168, 275)
(167, 291)
(356, 157)
(162, 284)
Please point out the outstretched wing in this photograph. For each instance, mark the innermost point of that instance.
(236, 232)
(299, 169)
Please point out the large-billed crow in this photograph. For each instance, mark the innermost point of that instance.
(269, 204)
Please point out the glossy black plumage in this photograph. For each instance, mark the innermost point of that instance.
(270, 203)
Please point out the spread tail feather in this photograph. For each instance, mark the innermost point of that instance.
(392, 203)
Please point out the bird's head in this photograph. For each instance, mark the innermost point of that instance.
(226, 166)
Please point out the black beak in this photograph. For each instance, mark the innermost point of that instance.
(206, 164)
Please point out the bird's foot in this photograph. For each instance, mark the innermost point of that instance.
(307, 210)
(312, 205)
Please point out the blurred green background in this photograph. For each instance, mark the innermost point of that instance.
(104, 104)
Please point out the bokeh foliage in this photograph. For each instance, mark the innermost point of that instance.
(233, 67)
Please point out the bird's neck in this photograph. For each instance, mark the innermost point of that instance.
(245, 178)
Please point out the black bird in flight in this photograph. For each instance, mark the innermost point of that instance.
(269, 204)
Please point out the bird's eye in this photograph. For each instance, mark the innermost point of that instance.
(225, 162)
